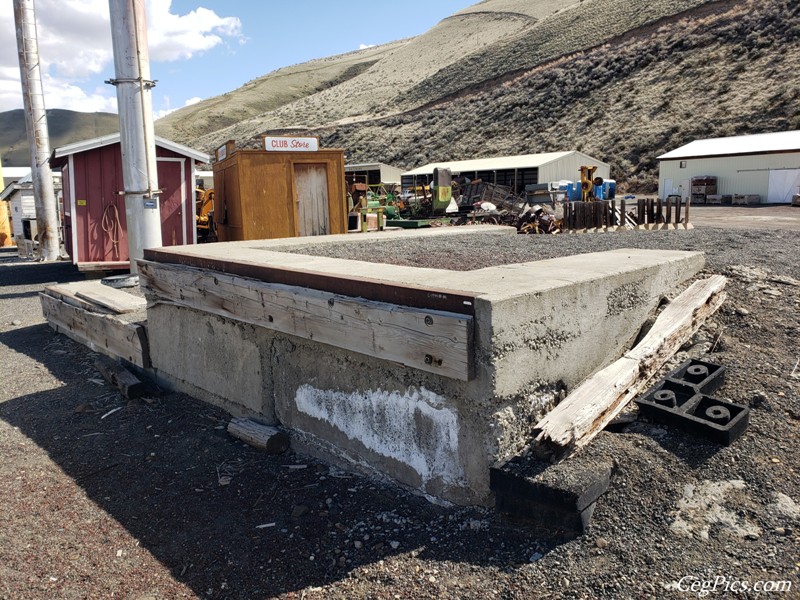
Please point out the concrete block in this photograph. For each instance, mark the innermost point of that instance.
(536, 327)
(214, 359)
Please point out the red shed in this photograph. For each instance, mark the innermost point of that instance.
(95, 230)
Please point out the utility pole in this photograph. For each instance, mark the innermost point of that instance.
(36, 126)
(137, 136)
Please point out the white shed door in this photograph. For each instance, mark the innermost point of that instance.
(783, 185)
(311, 184)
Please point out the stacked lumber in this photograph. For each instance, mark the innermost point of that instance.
(100, 317)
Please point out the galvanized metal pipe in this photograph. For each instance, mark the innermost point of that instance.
(36, 125)
(137, 136)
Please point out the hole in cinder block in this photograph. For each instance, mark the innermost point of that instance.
(671, 394)
(716, 411)
(699, 372)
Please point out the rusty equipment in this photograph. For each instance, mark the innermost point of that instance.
(589, 184)
(204, 214)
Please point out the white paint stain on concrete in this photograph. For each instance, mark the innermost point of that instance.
(414, 428)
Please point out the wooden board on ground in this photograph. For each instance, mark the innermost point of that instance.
(100, 332)
(118, 376)
(271, 439)
(94, 296)
(434, 341)
(599, 399)
(68, 293)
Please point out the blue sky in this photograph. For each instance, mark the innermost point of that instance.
(201, 48)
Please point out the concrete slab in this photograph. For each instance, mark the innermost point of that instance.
(536, 328)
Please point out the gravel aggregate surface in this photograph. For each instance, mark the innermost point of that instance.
(156, 500)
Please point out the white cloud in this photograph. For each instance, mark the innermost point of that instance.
(75, 48)
(157, 114)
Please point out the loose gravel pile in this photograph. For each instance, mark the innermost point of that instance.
(155, 500)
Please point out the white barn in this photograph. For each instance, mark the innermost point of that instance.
(766, 164)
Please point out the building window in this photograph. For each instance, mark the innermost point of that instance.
(683, 164)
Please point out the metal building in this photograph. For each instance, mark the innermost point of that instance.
(372, 173)
(514, 171)
(765, 165)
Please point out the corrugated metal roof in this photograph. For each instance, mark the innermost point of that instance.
(782, 141)
(522, 161)
(365, 166)
(113, 138)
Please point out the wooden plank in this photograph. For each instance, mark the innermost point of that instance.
(101, 333)
(120, 377)
(271, 439)
(364, 287)
(116, 300)
(599, 399)
(67, 293)
(433, 341)
(104, 265)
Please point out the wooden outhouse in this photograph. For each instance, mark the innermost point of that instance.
(289, 188)
(95, 230)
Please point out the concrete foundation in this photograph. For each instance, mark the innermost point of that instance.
(533, 328)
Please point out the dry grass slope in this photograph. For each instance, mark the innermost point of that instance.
(65, 127)
(622, 80)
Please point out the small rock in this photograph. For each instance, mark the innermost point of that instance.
(779, 530)
(758, 398)
(432, 579)
(342, 561)
(601, 543)
(775, 460)
(535, 556)
(358, 544)
(395, 545)
(16, 322)
(741, 311)
(752, 536)
(299, 510)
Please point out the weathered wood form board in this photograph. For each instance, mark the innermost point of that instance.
(405, 294)
(96, 297)
(595, 403)
(101, 333)
(68, 293)
(434, 341)
(115, 300)
(256, 193)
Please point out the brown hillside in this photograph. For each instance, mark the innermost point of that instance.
(620, 79)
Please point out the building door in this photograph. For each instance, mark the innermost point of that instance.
(171, 179)
(311, 189)
(783, 184)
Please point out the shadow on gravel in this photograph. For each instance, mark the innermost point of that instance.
(692, 450)
(213, 510)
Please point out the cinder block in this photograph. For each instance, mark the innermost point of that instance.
(558, 497)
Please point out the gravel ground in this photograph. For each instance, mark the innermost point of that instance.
(137, 504)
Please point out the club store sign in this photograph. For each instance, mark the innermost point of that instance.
(291, 144)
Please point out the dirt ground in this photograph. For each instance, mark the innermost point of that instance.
(100, 497)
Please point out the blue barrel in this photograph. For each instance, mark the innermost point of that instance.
(609, 189)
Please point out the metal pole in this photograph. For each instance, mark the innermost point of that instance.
(137, 137)
(36, 125)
